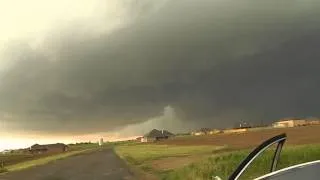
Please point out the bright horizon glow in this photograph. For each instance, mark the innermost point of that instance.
(25, 142)
(17, 143)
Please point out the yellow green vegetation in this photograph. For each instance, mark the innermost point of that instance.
(223, 164)
(140, 153)
(157, 159)
(75, 150)
(41, 161)
(214, 162)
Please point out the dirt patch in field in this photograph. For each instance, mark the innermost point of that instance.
(297, 135)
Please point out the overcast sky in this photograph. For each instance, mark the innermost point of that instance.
(79, 67)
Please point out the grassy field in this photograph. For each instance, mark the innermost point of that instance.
(139, 153)
(222, 165)
(41, 161)
(156, 159)
(14, 162)
(172, 162)
(14, 158)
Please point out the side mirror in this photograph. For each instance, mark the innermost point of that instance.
(280, 139)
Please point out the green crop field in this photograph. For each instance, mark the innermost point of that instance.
(222, 165)
(145, 156)
(138, 154)
(42, 161)
(217, 163)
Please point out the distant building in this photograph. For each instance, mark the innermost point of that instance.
(202, 131)
(214, 131)
(156, 135)
(101, 142)
(5, 152)
(197, 133)
(314, 122)
(290, 123)
(48, 148)
(235, 130)
(205, 131)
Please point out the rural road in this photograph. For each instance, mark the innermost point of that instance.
(101, 165)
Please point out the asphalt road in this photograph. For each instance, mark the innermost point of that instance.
(101, 165)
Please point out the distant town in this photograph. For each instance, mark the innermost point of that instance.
(158, 135)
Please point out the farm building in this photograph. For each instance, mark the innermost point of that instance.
(156, 135)
(48, 148)
(290, 123)
(139, 138)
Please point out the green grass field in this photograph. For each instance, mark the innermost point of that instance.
(41, 161)
(142, 156)
(140, 153)
(18, 157)
(14, 162)
(222, 165)
(217, 163)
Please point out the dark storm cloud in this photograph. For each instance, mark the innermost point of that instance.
(214, 62)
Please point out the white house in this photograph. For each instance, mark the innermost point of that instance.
(289, 123)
